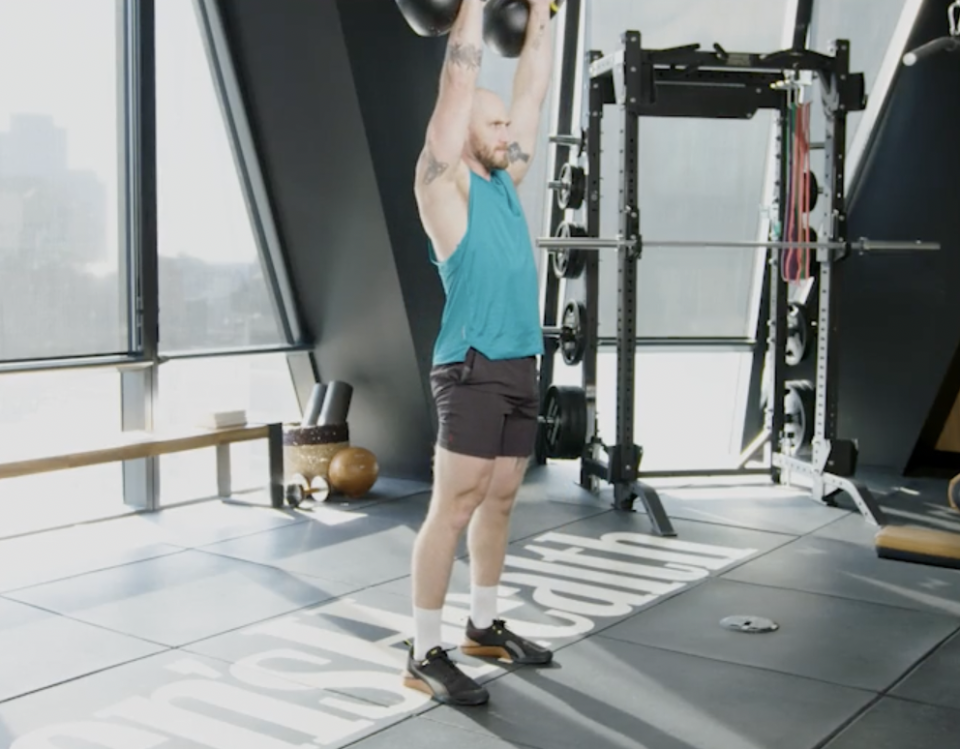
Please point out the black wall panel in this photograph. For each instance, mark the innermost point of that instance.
(343, 203)
(900, 321)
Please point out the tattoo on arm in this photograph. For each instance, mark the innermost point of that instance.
(434, 168)
(515, 153)
(466, 55)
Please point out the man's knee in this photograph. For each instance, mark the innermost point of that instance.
(462, 483)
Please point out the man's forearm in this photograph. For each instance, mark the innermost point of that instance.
(532, 78)
(465, 46)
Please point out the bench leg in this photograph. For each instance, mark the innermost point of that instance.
(275, 451)
(224, 488)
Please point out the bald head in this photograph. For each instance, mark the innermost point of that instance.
(489, 134)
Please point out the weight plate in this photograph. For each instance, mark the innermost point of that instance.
(565, 422)
(573, 186)
(573, 336)
(569, 263)
(798, 335)
(750, 624)
(798, 416)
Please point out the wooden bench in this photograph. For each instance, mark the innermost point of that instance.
(27, 457)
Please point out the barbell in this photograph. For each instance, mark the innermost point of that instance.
(571, 242)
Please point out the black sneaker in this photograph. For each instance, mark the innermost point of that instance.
(440, 677)
(499, 642)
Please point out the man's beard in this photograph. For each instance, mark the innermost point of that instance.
(493, 159)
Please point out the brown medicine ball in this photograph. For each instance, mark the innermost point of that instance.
(353, 471)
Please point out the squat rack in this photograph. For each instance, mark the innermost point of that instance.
(689, 82)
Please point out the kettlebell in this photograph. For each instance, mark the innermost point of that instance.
(505, 25)
(430, 17)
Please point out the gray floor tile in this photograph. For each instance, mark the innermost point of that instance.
(44, 557)
(850, 570)
(186, 701)
(935, 681)
(895, 724)
(358, 549)
(603, 693)
(39, 649)
(207, 522)
(180, 598)
(846, 642)
(428, 734)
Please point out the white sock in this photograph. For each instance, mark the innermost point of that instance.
(427, 625)
(483, 605)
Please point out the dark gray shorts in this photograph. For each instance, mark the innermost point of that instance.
(487, 408)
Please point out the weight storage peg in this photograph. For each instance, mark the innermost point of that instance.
(572, 332)
(571, 187)
(570, 262)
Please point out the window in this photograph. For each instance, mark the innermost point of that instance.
(63, 278)
(72, 406)
(214, 293)
(700, 179)
(189, 388)
(689, 408)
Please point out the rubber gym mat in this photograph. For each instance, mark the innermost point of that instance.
(423, 733)
(841, 641)
(820, 565)
(180, 598)
(354, 646)
(604, 693)
(935, 681)
(40, 649)
(898, 724)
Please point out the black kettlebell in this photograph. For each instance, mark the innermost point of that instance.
(505, 25)
(430, 17)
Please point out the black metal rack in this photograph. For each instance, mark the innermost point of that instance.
(718, 84)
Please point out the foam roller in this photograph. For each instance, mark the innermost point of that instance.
(312, 412)
(336, 404)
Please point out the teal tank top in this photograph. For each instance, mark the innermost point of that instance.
(490, 281)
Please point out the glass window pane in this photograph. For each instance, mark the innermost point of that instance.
(213, 291)
(66, 407)
(190, 388)
(869, 25)
(689, 405)
(62, 268)
(699, 179)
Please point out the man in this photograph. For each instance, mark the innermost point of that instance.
(484, 379)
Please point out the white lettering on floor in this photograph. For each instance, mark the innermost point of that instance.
(576, 580)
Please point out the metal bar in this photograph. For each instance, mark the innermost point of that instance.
(827, 357)
(705, 473)
(275, 464)
(564, 123)
(861, 245)
(224, 473)
(594, 149)
(583, 243)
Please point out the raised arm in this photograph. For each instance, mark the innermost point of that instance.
(530, 85)
(447, 129)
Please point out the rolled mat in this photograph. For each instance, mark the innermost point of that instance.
(312, 412)
(336, 404)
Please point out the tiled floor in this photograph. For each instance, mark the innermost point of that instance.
(237, 627)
